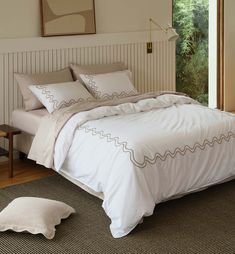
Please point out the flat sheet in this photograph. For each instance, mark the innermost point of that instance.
(28, 121)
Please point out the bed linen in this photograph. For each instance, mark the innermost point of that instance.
(60, 95)
(28, 121)
(25, 80)
(142, 152)
(110, 85)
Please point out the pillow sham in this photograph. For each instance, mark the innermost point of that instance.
(24, 81)
(95, 69)
(110, 85)
(56, 96)
(34, 215)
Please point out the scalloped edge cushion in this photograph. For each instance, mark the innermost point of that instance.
(34, 215)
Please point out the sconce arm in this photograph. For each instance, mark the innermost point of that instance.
(159, 26)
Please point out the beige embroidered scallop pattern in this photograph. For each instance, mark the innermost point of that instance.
(163, 157)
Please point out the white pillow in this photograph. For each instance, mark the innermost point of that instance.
(25, 80)
(34, 215)
(110, 85)
(56, 96)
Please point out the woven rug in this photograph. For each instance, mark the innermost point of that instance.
(198, 223)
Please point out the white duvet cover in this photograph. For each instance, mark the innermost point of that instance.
(138, 159)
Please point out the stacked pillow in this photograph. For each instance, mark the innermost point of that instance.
(24, 81)
(56, 90)
(57, 96)
(77, 70)
(109, 86)
(105, 81)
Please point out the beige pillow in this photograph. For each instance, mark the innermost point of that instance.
(34, 215)
(24, 81)
(95, 69)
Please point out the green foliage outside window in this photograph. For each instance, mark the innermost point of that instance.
(190, 18)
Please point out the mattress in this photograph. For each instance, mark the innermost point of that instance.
(28, 121)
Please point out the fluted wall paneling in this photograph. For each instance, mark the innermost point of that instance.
(151, 72)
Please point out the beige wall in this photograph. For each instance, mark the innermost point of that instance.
(21, 18)
(229, 55)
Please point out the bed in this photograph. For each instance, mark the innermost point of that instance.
(131, 150)
(28, 122)
(186, 147)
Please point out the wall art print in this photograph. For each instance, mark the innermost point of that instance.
(68, 17)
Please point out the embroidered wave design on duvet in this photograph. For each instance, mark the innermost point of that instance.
(163, 157)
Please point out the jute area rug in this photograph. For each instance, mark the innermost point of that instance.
(198, 223)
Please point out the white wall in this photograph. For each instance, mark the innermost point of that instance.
(21, 18)
(229, 55)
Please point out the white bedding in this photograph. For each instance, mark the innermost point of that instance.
(138, 159)
(28, 121)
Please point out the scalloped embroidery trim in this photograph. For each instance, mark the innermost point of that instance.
(56, 104)
(93, 88)
(163, 157)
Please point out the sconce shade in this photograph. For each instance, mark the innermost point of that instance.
(171, 34)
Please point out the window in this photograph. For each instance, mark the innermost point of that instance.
(190, 18)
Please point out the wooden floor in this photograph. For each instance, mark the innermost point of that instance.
(24, 171)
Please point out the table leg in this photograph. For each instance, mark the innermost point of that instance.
(10, 158)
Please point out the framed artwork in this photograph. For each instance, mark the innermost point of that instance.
(67, 17)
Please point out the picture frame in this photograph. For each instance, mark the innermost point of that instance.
(67, 17)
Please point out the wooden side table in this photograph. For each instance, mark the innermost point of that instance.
(8, 132)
